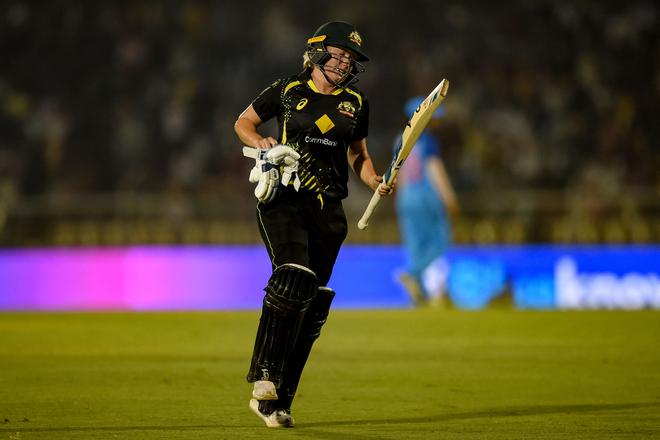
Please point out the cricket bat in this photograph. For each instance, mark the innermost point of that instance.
(414, 128)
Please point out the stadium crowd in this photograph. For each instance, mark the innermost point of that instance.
(140, 97)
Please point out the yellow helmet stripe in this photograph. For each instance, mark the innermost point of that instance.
(316, 39)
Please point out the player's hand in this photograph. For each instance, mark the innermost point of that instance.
(385, 190)
(266, 142)
(380, 186)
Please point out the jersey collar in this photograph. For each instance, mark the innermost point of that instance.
(306, 77)
(312, 86)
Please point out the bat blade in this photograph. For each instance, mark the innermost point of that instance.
(413, 129)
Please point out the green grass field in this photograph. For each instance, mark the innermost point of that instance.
(407, 374)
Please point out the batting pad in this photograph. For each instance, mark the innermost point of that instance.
(310, 330)
(288, 295)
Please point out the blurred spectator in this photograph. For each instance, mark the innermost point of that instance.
(137, 96)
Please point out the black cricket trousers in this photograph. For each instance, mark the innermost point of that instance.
(303, 228)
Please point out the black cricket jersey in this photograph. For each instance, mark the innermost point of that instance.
(313, 124)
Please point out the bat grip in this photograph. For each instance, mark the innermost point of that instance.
(364, 221)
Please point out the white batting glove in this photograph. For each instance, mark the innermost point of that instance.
(265, 174)
(266, 170)
(288, 158)
(282, 154)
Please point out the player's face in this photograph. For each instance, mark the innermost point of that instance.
(339, 64)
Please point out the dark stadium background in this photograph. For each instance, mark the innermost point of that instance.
(132, 273)
(116, 125)
(116, 117)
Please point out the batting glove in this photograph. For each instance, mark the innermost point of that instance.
(266, 172)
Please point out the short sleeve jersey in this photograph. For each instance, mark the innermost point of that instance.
(319, 127)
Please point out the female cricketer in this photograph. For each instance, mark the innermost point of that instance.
(301, 178)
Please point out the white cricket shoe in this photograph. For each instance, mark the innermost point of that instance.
(277, 419)
(264, 390)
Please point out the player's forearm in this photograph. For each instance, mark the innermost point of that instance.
(247, 132)
(361, 163)
(368, 174)
(246, 129)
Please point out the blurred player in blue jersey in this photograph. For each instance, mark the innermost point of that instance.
(424, 199)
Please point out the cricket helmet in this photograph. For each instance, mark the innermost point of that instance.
(338, 34)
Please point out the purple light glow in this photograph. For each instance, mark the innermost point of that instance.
(140, 278)
(233, 277)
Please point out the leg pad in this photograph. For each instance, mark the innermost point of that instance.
(315, 318)
(288, 295)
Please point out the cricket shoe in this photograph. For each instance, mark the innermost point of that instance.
(413, 288)
(264, 390)
(278, 418)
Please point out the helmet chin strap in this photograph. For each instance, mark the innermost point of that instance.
(349, 77)
(339, 83)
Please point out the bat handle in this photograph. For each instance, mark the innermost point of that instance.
(364, 221)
